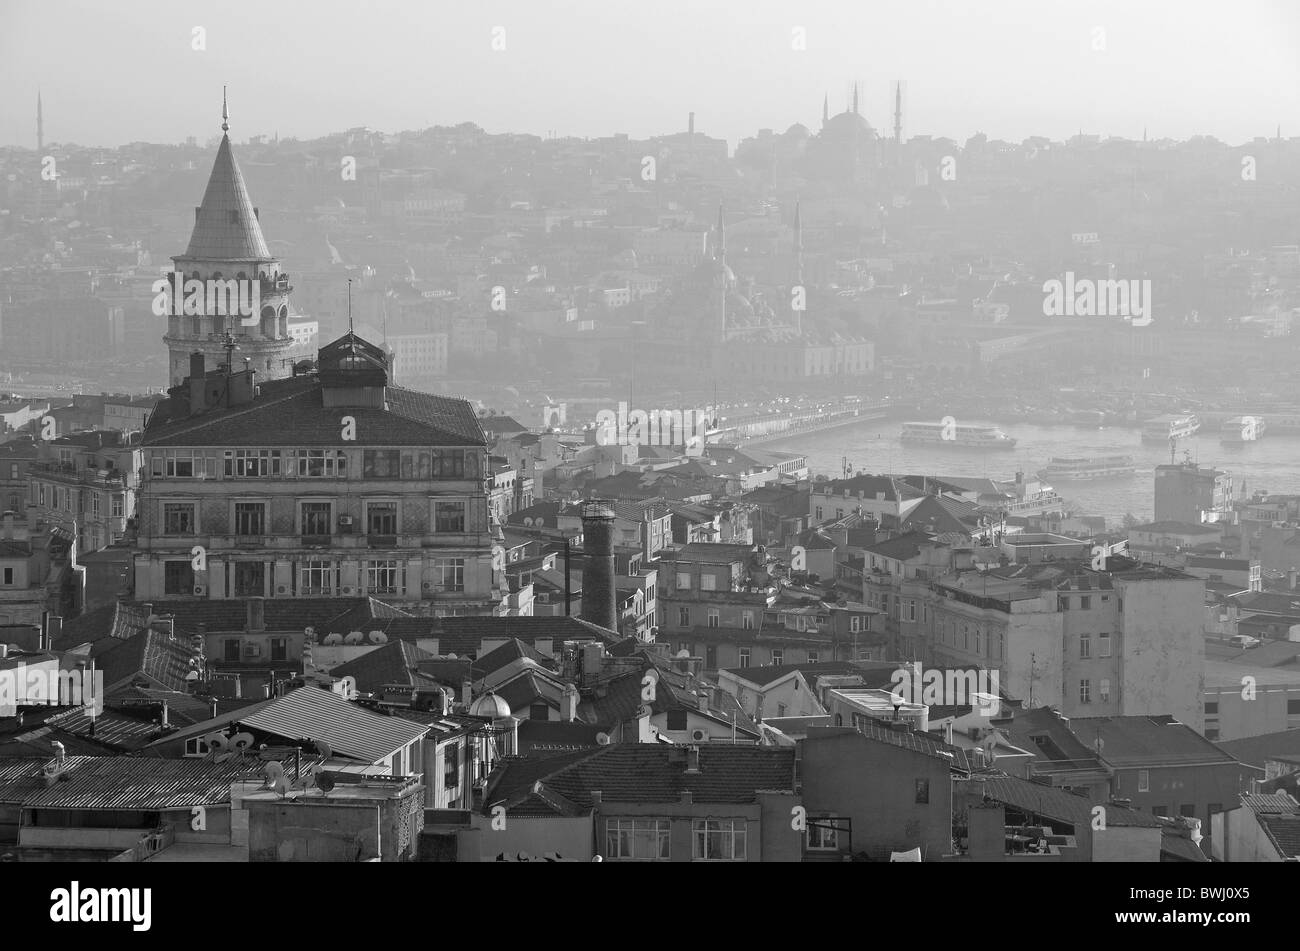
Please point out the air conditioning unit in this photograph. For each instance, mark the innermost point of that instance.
(698, 736)
(281, 589)
(252, 650)
(200, 590)
(345, 521)
(347, 590)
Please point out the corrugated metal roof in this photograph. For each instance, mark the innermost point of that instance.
(310, 713)
(122, 782)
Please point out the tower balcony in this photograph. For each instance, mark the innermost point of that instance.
(275, 285)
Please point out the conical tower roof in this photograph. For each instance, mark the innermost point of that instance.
(227, 228)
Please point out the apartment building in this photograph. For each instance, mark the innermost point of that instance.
(90, 480)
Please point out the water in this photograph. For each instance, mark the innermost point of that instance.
(1271, 463)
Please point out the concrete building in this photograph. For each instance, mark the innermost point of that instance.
(1186, 492)
(327, 484)
(90, 480)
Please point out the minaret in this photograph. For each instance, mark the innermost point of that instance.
(898, 119)
(40, 124)
(855, 98)
(826, 110)
(227, 243)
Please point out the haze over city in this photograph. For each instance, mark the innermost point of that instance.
(115, 73)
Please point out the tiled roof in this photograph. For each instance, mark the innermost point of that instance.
(509, 652)
(226, 228)
(644, 772)
(1144, 741)
(522, 692)
(296, 406)
(310, 713)
(901, 547)
(1052, 802)
(1279, 815)
(112, 620)
(873, 675)
(150, 654)
(914, 741)
(463, 635)
(393, 663)
(122, 782)
(549, 737)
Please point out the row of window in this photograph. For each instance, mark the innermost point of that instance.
(312, 463)
(73, 500)
(1085, 602)
(319, 578)
(314, 518)
(714, 840)
(1103, 690)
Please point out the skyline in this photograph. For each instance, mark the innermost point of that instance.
(1010, 73)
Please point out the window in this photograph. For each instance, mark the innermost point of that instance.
(1187, 809)
(195, 746)
(1211, 708)
(708, 582)
(714, 618)
(1085, 645)
(322, 463)
(778, 657)
(823, 836)
(1085, 603)
(677, 720)
(1085, 691)
(1103, 644)
(1292, 708)
(181, 464)
(1144, 780)
(744, 657)
(94, 503)
(718, 840)
(384, 576)
(381, 518)
(684, 580)
(250, 518)
(922, 791)
(1103, 690)
(178, 577)
(7, 576)
(317, 579)
(855, 624)
(451, 573)
(1160, 810)
(279, 648)
(250, 579)
(381, 463)
(316, 518)
(178, 518)
(252, 463)
(747, 620)
(683, 617)
(644, 839)
(911, 610)
(451, 766)
(814, 657)
(449, 463)
(449, 517)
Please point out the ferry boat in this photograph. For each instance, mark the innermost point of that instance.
(964, 436)
(1175, 426)
(1082, 469)
(1242, 429)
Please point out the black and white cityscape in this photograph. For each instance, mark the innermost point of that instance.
(768, 433)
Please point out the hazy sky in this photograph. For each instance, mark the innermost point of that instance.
(114, 72)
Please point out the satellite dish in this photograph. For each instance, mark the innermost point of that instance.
(332, 639)
(218, 747)
(324, 782)
(378, 637)
(241, 742)
(602, 739)
(354, 637)
(192, 676)
(323, 748)
(272, 771)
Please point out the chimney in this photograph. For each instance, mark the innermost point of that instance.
(214, 708)
(8, 533)
(147, 608)
(256, 615)
(569, 704)
(645, 538)
(692, 759)
(164, 722)
(598, 576)
(688, 798)
(466, 694)
(60, 754)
